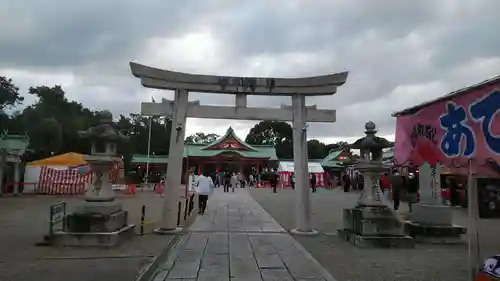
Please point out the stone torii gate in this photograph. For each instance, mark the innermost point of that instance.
(241, 87)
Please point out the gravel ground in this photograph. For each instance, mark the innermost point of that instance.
(24, 221)
(346, 262)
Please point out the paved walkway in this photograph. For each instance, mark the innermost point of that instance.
(237, 240)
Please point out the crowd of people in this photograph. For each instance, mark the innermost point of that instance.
(231, 180)
(395, 186)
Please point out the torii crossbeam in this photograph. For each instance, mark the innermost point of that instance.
(241, 87)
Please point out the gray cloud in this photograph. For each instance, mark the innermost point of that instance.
(58, 33)
(399, 53)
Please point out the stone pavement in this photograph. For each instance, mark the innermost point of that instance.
(237, 240)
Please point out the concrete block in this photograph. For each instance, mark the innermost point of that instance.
(435, 234)
(95, 222)
(377, 227)
(399, 241)
(431, 214)
(104, 208)
(93, 239)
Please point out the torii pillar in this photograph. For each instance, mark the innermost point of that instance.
(182, 83)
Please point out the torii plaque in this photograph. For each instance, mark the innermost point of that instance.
(241, 87)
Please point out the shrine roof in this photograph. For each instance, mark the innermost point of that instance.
(260, 151)
(14, 143)
(229, 141)
(265, 152)
(152, 159)
(334, 159)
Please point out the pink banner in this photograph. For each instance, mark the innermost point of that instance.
(453, 131)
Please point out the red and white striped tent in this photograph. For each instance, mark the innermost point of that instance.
(286, 169)
(63, 182)
(61, 174)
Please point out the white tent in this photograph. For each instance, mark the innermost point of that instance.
(287, 166)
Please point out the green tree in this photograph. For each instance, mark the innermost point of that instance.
(277, 133)
(53, 122)
(139, 131)
(48, 135)
(9, 98)
(202, 138)
(9, 93)
(316, 149)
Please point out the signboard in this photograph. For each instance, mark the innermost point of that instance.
(453, 131)
(56, 219)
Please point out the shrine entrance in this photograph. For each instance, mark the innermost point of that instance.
(180, 108)
(229, 153)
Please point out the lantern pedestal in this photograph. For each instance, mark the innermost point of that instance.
(431, 214)
(374, 227)
(100, 221)
(94, 230)
(430, 221)
(371, 223)
(433, 224)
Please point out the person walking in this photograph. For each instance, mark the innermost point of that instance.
(354, 181)
(312, 180)
(272, 177)
(203, 187)
(292, 180)
(227, 180)
(412, 190)
(360, 181)
(346, 181)
(250, 180)
(241, 178)
(397, 184)
(385, 185)
(234, 181)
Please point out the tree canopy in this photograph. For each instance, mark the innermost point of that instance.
(53, 122)
(202, 138)
(9, 93)
(277, 133)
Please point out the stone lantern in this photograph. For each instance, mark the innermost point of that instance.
(371, 165)
(371, 223)
(103, 157)
(100, 220)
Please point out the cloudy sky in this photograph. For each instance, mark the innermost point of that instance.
(398, 53)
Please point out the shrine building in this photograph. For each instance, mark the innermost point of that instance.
(228, 152)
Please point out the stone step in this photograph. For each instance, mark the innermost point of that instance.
(435, 234)
(93, 239)
(379, 241)
(377, 227)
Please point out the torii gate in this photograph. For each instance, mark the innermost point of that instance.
(241, 87)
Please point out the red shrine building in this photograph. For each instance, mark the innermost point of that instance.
(226, 153)
(233, 154)
(229, 153)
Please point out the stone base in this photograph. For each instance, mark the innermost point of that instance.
(431, 214)
(95, 222)
(380, 241)
(163, 231)
(93, 239)
(435, 234)
(299, 232)
(104, 208)
(372, 221)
